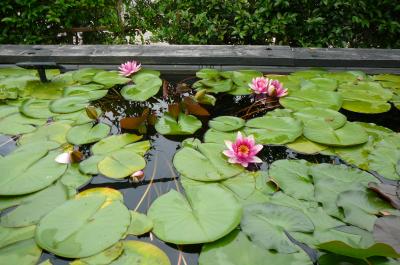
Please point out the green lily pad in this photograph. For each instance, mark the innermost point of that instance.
(40, 90)
(300, 99)
(332, 118)
(362, 101)
(114, 143)
(185, 125)
(146, 86)
(320, 83)
(207, 73)
(349, 134)
(87, 133)
(207, 163)
(85, 75)
(29, 169)
(110, 78)
(303, 145)
(385, 157)
(274, 130)
(197, 218)
(10, 235)
(91, 95)
(361, 208)
(226, 123)
(54, 132)
(72, 230)
(105, 257)
(22, 252)
(31, 208)
(293, 178)
(69, 104)
(265, 225)
(141, 253)
(214, 136)
(17, 123)
(77, 118)
(217, 86)
(120, 164)
(331, 180)
(140, 224)
(36, 108)
(342, 77)
(73, 179)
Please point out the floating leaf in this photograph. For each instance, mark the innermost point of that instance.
(105, 257)
(140, 224)
(69, 104)
(114, 143)
(85, 75)
(330, 117)
(226, 123)
(22, 252)
(36, 108)
(298, 100)
(207, 73)
(29, 169)
(265, 225)
(109, 78)
(72, 230)
(320, 83)
(120, 164)
(74, 179)
(274, 130)
(10, 236)
(386, 230)
(214, 136)
(197, 218)
(31, 208)
(185, 125)
(80, 117)
(349, 134)
(384, 158)
(363, 102)
(292, 177)
(387, 191)
(54, 132)
(146, 85)
(87, 133)
(17, 123)
(303, 145)
(207, 163)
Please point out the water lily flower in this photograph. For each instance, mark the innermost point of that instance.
(137, 176)
(243, 151)
(275, 89)
(260, 85)
(64, 158)
(129, 68)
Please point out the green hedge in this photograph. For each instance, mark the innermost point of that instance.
(304, 23)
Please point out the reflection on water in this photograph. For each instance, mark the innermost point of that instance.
(160, 175)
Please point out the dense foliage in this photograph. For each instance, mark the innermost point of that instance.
(303, 23)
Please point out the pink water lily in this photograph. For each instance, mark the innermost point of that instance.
(243, 151)
(129, 68)
(275, 89)
(259, 85)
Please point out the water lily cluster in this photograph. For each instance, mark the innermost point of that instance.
(243, 151)
(269, 87)
(129, 68)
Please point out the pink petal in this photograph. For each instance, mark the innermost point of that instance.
(256, 159)
(229, 145)
(244, 164)
(229, 153)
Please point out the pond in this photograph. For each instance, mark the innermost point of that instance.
(73, 150)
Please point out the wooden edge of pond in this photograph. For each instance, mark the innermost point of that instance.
(186, 59)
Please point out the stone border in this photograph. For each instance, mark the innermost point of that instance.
(190, 58)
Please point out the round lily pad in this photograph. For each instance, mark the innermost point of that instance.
(197, 218)
(300, 99)
(36, 108)
(185, 125)
(69, 104)
(349, 134)
(22, 252)
(146, 85)
(83, 227)
(120, 164)
(274, 130)
(87, 133)
(332, 118)
(226, 123)
(363, 101)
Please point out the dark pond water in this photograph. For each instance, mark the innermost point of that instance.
(159, 158)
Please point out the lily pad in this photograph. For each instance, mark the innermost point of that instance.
(109, 78)
(207, 163)
(226, 123)
(197, 218)
(120, 164)
(73, 179)
(114, 143)
(72, 230)
(105, 257)
(146, 86)
(384, 158)
(265, 225)
(22, 252)
(303, 145)
(274, 130)
(17, 123)
(10, 236)
(349, 134)
(185, 125)
(78, 117)
(140, 224)
(300, 99)
(69, 104)
(36, 108)
(87, 133)
(54, 132)
(330, 117)
(363, 102)
(29, 169)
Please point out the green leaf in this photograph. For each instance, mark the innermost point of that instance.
(197, 218)
(293, 178)
(303, 145)
(114, 143)
(274, 130)
(207, 163)
(226, 123)
(36, 108)
(54, 132)
(320, 83)
(31, 208)
(377, 249)
(349, 134)
(300, 99)
(77, 118)
(29, 169)
(22, 252)
(69, 104)
(146, 86)
(140, 224)
(73, 179)
(73, 229)
(265, 225)
(109, 79)
(85, 75)
(10, 236)
(185, 125)
(105, 257)
(85, 134)
(363, 102)
(207, 73)
(330, 117)
(385, 157)
(120, 164)
(17, 123)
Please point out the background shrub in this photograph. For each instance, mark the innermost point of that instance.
(298, 23)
